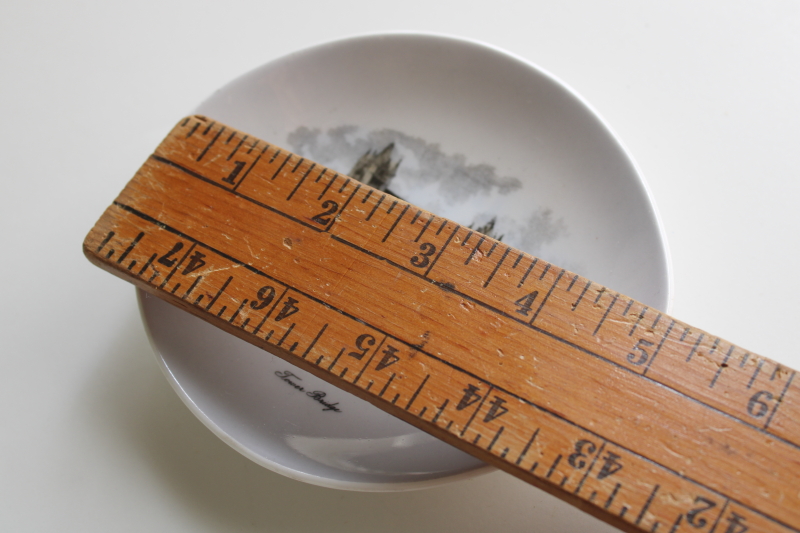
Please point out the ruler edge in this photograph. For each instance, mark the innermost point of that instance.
(398, 412)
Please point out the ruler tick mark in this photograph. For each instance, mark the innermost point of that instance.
(628, 308)
(211, 125)
(660, 344)
(613, 495)
(425, 227)
(369, 193)
(719, 516)
(328, 186)
(243, 139)
(149, 262)
(694, 348)
(269, 311)
(441, 251)
(344, 185)
(476, 410)
(132, 264)
(600, 294)
(416, 216)
(547, 296)
(544, 272)
(310, 346)
(209, 145)
(302, 179)
(721, 367)
(525, 276)
(389, 382)
(444, 223)
(346, 203)
(572, 283)
(780, 400)
(553, 466)
(376, 207)
(744, 360)
(343, 372)
(219, 293)
(489, 253)
(519, 258)
(591, 467)
(477, 438)
(466, 239)
(247, 172)
(252, 146)
(474, 250)
(580, 297)
(285, 335)
(178, 264)
(230, 138)
(274, 156)
(497, 267)
(275, 175)
(394, 225)
(105, 241)
(175, 288)
(440, 411)
(422, 413)
(755, 373)
(416, 392)
(638, 320)
(222, 310)
(319, 360)
(494, 440)
(647, 505)
(336, 359)
(299, 162)
(238, 310)
(194, 129)
(527, 447)
(605, 315)
(372, 355)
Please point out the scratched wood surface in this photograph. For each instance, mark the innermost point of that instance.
(619, 409)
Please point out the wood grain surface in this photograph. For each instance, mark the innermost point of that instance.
(619, 409)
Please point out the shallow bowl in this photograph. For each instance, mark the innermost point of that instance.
(477, 135)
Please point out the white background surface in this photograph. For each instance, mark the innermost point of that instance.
(706, 96)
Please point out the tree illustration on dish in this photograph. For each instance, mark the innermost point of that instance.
(420, 172)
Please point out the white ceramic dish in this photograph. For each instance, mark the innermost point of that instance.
(480, 135)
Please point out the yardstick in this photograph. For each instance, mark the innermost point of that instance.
(619, 409)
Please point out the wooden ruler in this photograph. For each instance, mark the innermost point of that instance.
(619, 409)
